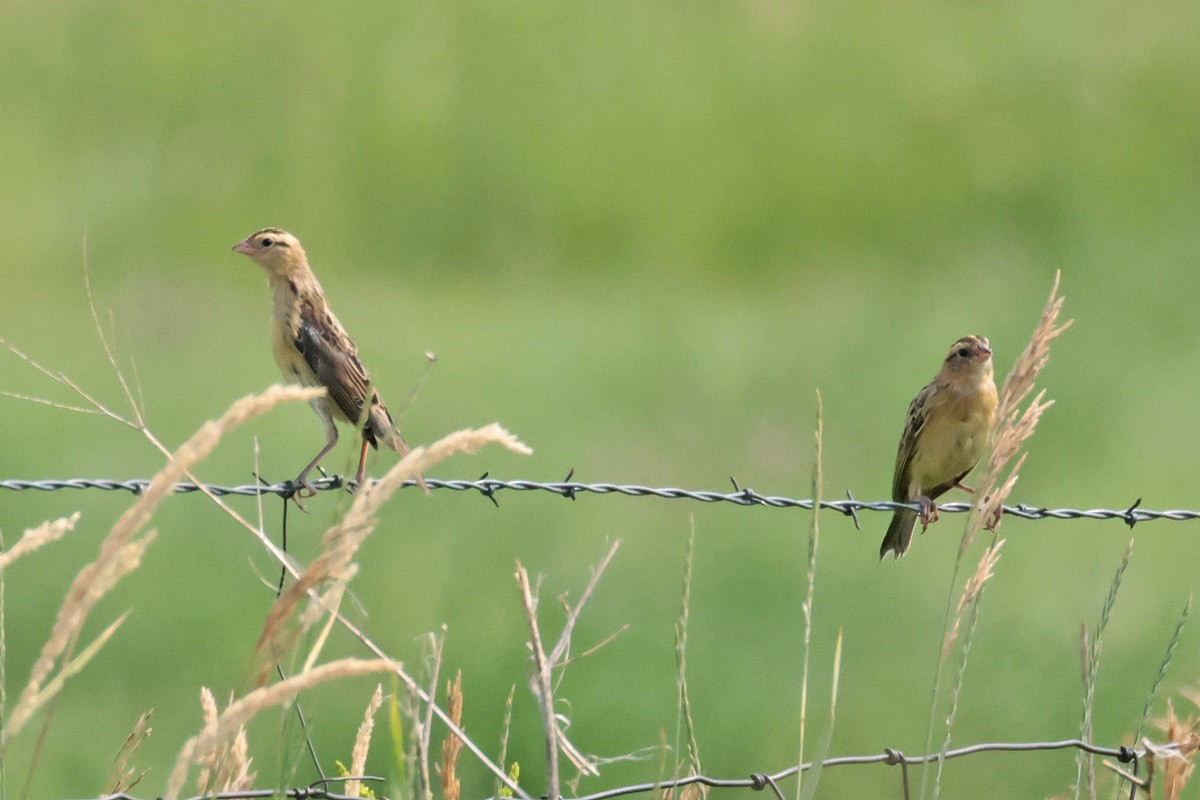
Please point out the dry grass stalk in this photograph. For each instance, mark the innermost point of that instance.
(362, 742)
(452, 745)
(814, 537)
(125, 777)
(200, 747)
(683, 702)
(974, 587)
(421, 717)
(541, 682)
(505, 730)
(334, 567)
(33, 538)
(1013, 429)
(121, 552)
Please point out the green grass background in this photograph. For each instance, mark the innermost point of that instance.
(640, 235)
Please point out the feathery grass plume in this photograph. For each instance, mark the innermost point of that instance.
(362, 742)
(121, 550)
(209, 713)
(239, 712)
(1013, 428)
(984, 572)
(452, 745)
(683, 703)
(968, 602)
(33, 538)
(124, 777)
(814, 535)
(1084, 762)
(333, 568)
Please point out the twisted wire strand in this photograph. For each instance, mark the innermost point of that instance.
(489, 487)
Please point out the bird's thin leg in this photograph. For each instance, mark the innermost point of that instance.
(331, 437)
(362, 464)
(929, 512)
(966, 489)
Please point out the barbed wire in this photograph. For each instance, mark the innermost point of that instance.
(761, 780)
(489, 487)
(314, 791)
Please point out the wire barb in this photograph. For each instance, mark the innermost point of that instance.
(895, 757)
(486, 489)
(761, 780)
(851, 511)
(1130, 517)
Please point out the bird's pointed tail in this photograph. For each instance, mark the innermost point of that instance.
(397, 443)
(899, 533)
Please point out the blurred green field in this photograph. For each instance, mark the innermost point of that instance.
(641, 236)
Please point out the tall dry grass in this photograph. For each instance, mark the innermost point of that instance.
(121, 551)
(1014, 427)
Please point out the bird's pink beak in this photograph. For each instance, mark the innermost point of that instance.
(984, 352)
(245, 247)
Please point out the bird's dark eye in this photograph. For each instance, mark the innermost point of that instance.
(268, 242)
(963, 352)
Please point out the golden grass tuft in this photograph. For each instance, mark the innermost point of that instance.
(971, 591)
(199, 749)
(226, 768)
(1176, 755)
(34, 538)
(362, 742)
(452, 745)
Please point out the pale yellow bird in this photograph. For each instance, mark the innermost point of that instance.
(947, 431)
(312, 348)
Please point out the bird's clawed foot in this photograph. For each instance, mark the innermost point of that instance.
(302, 489)
(928, 513)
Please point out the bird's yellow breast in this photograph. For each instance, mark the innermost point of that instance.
(953, 440)
(291, 363)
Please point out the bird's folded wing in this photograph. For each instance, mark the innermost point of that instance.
(914, 423)
(334, 361)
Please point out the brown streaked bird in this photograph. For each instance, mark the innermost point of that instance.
(947, 431)
(312, 348)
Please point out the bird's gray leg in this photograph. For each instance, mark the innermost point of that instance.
(331, 437)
